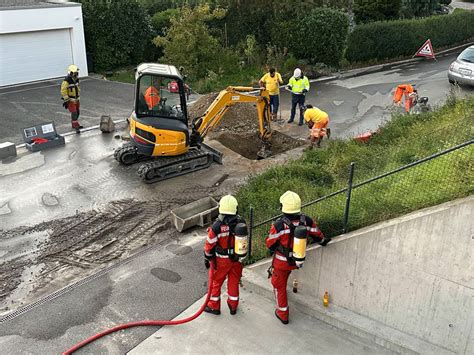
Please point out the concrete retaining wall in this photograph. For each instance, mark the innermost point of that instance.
(414, 274)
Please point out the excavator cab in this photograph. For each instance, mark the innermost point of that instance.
(159, 123)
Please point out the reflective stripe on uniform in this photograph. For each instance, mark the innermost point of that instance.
(222, 256)
(280, 257)
(277, 235)
(224, 234)
(211, 240)
(283, 309)
(212, 298)
(311, 229)
(233, 298)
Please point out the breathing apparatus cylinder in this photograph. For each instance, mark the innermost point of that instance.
(299, 245)
(241, 240)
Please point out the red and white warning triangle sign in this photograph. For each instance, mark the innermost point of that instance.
(426, 50)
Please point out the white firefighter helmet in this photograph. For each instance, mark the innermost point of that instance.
(290, 202)
(228, 205)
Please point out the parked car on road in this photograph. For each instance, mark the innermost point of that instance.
(462, 70)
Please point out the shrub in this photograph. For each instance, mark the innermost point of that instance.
(321, 37)
(383, 40)
(117, 32)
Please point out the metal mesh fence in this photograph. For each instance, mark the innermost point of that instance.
(438, 178)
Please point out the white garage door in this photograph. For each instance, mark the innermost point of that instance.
(31, 56)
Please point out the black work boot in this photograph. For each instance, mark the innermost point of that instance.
(281, 320)
(212, 311)
(232, 310)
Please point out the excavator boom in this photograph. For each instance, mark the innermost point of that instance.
(227, 98)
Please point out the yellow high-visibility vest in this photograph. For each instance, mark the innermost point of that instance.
(298, 85)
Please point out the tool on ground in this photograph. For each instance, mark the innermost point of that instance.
(146, 323)
(106, 125)
(159, 124)
(295, 286)
(42, 136)
(326, 299)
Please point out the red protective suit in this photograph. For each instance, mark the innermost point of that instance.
(279, 238)
(220, 242)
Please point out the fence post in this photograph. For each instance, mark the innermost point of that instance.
(348, 198)
(250, 233)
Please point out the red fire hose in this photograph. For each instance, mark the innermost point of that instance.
(148, 322)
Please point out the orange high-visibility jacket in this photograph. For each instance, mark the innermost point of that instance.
(406, 89)
(152, 97)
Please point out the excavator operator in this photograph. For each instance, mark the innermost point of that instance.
(152, 94)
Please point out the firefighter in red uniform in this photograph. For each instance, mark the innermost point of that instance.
(280, 243)
(219, 248)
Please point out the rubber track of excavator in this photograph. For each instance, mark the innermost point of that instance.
(168, 167)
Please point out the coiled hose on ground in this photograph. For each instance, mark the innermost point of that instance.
(148, 322)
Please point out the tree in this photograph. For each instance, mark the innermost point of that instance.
(376, 10)
(188, 43)
(161, 21)
(117, 32)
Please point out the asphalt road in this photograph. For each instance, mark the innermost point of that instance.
(362, 103)
(27, 105)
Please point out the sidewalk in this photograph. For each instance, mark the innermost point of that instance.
(253, 330)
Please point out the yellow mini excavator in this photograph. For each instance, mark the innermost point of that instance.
(161, 134)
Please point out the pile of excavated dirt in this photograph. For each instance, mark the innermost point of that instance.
(240, 118)
(249, 144)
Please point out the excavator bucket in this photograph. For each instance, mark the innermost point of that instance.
(264, 151)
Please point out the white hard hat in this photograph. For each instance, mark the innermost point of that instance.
(228, 205)
(297, 73)
(290, 202)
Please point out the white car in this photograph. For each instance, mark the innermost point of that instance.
(462, 70)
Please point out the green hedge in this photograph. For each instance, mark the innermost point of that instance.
(117, 33)
(382, 40)
(320, 36)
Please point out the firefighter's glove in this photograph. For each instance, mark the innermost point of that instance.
(304, 91)
(65, 104)
(207, 263)
(288, 87)
(325, 241)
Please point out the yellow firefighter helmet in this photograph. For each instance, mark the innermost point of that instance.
(72, 69)
(228, 205)
(290, 202)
